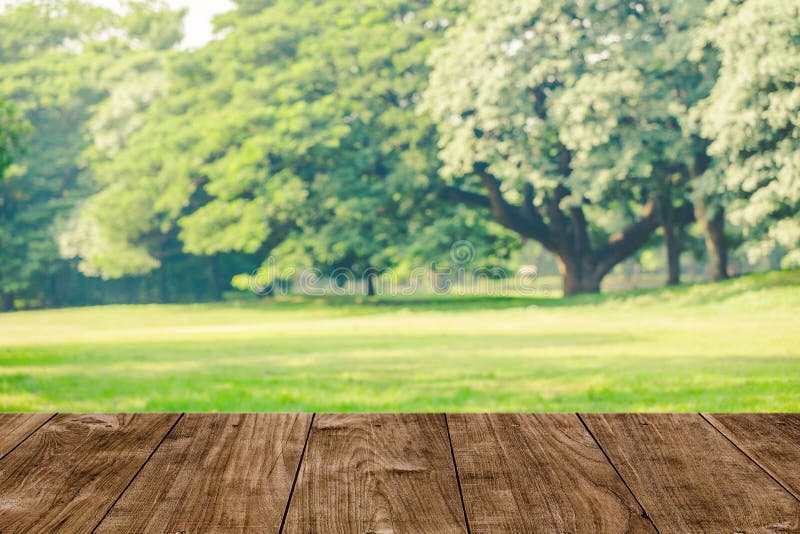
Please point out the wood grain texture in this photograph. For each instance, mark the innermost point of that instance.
(215, 473)
(772, 440)
(15, 427)
(539, 473)
(69, 472)
(689, 478)
(386, 473)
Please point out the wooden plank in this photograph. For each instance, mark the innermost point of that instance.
(68, 473)
(771, 440)
(215, 473)
(15, 427)
(539, 473)
(377, 473)
(689, 478)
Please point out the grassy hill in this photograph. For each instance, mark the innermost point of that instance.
(732, 346)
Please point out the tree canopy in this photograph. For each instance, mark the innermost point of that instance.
(299, 138)
(372, 135)
(569, 117)
(752, 117)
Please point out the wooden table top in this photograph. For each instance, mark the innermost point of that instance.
(384, 473)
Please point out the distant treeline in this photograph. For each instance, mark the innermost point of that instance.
(374, 135)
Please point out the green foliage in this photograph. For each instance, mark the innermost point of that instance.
(12, 130)
(61, 61)
(151, 24)
(625, 116)
(578, 110)
(302, 133)
(49, 79)
(753, 118)
(609, 82)
(298, 137)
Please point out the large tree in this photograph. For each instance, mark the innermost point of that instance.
(294, 135)
(753, 118)
(563, 119)
(627, 119)
(47, 59)
(56, 57)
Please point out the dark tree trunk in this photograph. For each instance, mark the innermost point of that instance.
(582, 266)
(577, 276)
(370, 273)
(51, 296)
(141, 290)
(672, 241)
(59, 281)
(7, 301)
(163, 283)
(216, 277)
(268, 292)
(713, 225)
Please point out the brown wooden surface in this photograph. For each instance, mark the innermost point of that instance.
(772, 440)
(400, 473)
(377, 473)
(214, 473)
(15, 427)
(69, 472)
(539, 473)
(689, 478)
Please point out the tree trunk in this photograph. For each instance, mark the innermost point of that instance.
(6, 301)
(575, 284)
(672, 225)
(58, 281)
(716, 242)
(163, 283)
(672, 240)
(216, 278)
(577, 276)
(268, 292)
(673, 259)
(370, 285)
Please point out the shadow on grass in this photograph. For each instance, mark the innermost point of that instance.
(699, 293)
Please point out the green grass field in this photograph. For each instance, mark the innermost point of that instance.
(733, 346)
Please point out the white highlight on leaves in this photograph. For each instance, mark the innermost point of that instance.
(512, 47)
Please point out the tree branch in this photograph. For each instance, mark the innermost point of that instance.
(580, 229)
(557, 222)
(456, 194)
(622, 244)
(526, 222)
(527, 203)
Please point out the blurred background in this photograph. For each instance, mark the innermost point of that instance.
(292, 161)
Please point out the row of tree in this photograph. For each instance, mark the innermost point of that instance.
(373, 134)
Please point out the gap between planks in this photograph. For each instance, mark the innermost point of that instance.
(458, 477)
(616, 470)
(720, 427)
(296, 474)
(27, 434)
(137, 472)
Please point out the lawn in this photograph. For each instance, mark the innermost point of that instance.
(733, 346)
